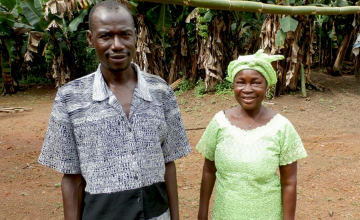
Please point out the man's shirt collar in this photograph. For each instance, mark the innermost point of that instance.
(101, 91)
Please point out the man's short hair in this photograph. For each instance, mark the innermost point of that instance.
(110, 6)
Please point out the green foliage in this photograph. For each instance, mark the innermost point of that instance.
(270, 93)
(70, 40)
(9, 4)
(186, 85)
(209, 15)
(288, 24)
(200, 88)
(224, 87)
(36, 80)
(160, 16)
(49, 53)
(31, 13)
(203, 19)
(85, 56)
(73, 26)
(280, 37)
(202, 10)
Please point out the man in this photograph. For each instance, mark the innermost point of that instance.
(116, 133)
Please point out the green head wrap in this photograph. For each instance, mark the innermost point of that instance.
(260, 62)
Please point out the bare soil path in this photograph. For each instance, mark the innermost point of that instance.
(328, 179)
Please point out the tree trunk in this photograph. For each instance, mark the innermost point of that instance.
(357, 68)
(288, 70)
(214, 54)
(149, 56)
(7, 80)
(342, 51)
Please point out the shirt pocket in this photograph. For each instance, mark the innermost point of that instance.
(150, 124)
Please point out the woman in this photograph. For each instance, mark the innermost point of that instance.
(243, 148)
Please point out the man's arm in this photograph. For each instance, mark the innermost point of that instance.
(72, 187)
(171, 189)
(288, 182)
(207, 185)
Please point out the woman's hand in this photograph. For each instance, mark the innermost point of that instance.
(288, 180)
(207, 185)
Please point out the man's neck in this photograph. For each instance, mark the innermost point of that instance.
(120, 78)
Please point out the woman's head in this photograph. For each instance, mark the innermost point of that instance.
(249, 88)
(259, 62)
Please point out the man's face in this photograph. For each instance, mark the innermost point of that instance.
(113, 38)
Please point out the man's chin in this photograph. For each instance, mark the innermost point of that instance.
(118, 68)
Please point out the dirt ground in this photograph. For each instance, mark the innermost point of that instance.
(328, 179)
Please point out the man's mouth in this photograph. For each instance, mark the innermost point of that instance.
(119, 56)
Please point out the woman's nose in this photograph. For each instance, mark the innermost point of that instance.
(247, 87)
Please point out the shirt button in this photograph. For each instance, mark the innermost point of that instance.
(132, 152)
(136, 177)
(130, 129)
(138, 199)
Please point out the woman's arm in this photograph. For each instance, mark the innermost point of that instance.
(207, 185)
(288, 182)
(171, 189)
(72, 187)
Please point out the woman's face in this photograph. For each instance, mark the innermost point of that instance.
(249, 88)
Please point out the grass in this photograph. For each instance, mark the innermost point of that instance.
(58, 205)
(188, 109)
(183, 101)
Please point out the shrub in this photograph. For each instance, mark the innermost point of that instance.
(200, 88)
(225, 87)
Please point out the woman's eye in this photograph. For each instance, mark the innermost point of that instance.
(256, 83)
(240, 84)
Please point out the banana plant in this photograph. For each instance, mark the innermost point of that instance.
(162, 44)
(57, 23)
(12, 27)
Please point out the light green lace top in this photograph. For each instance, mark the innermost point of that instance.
(247, 185)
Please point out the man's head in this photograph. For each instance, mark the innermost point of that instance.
(112, 34)
(110, 6)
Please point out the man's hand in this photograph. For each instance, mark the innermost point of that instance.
(171, 189)
(72, 187)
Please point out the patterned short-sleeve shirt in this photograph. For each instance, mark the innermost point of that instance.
(122, 159)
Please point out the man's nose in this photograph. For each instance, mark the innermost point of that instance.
(117, 43)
